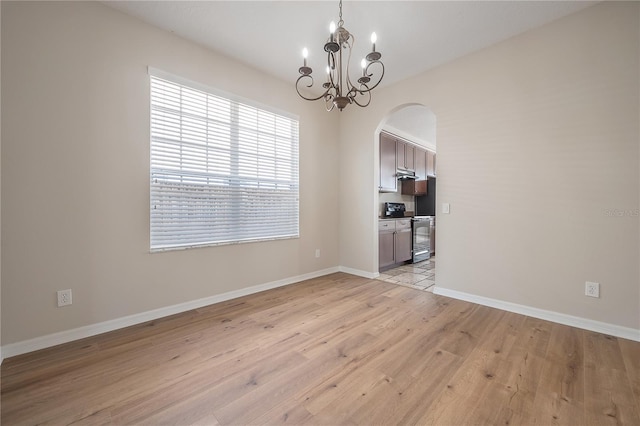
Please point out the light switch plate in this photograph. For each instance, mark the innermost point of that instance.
(445, 208)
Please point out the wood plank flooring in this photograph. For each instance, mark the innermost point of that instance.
(336, 350)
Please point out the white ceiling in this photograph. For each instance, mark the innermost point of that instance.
(413, 36)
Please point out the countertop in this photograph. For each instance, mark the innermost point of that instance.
(406, 216)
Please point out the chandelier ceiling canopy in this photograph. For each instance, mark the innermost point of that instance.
(339, 90)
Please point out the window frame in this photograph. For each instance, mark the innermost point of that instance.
(234, 189)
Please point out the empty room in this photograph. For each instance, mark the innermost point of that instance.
(320, 212)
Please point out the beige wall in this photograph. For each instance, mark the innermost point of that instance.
(75, 172)
(537, 139)
(538, 143)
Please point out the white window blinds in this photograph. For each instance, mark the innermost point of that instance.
(222, 171)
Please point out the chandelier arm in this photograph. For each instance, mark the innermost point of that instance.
(309, 85)
(371, 75)
(331, 61)
(339, 87)
(329, 105)
(353, 95)
(329, 97)
(349, 44)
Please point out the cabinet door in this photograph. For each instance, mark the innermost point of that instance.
(434, 163)
(403, 245)
(409, 157)
(400, 152)
(405, 153)
(431, 163)
(414, 187)
(386, 248)
(420, 159)
(388, 179)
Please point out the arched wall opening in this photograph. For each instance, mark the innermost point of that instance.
(415, 123)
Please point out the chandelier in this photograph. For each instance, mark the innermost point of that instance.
(339, 90)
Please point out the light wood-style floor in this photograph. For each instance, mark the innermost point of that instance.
(337, 350)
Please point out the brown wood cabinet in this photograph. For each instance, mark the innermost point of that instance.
(386, 243)
(414, 187)
(434, 163)
(397, 154)
(431, 163)
(405, 155)
(388, 153)
(394, 241)
(420, 162)
(403, 240)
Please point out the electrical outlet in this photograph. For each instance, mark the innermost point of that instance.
(64, 297)
(317, 252)
(592, 289)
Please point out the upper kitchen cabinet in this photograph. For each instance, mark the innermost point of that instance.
(414, 187)
(405, 155)
(400, 156)
(434, 163)
(431, 163)
(420, 162)
(388, 153)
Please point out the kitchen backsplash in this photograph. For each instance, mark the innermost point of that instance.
(396, 197)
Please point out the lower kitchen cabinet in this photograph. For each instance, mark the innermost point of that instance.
(394, 241)
(386, 252)
(403, 243)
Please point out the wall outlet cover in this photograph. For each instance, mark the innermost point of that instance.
(592, 289)
(64, 297)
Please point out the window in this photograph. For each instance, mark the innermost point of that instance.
(222, 170)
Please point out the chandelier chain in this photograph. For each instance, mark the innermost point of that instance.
(340, 22)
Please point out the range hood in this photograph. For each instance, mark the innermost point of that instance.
(405, 175)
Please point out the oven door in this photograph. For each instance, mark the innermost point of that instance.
(421, 238)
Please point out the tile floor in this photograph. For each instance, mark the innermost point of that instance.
(419, 275)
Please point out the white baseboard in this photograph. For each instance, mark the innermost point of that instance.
(54, 339)
(573, 321)
(358, 272)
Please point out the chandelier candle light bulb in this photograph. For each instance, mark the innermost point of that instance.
(304, 69)
(339, 90)
(327, 84)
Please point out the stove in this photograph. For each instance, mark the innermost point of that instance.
(394, 210)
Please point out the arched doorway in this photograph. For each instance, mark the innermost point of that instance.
(411, 129)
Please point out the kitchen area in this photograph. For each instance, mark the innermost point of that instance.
(407, 212)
